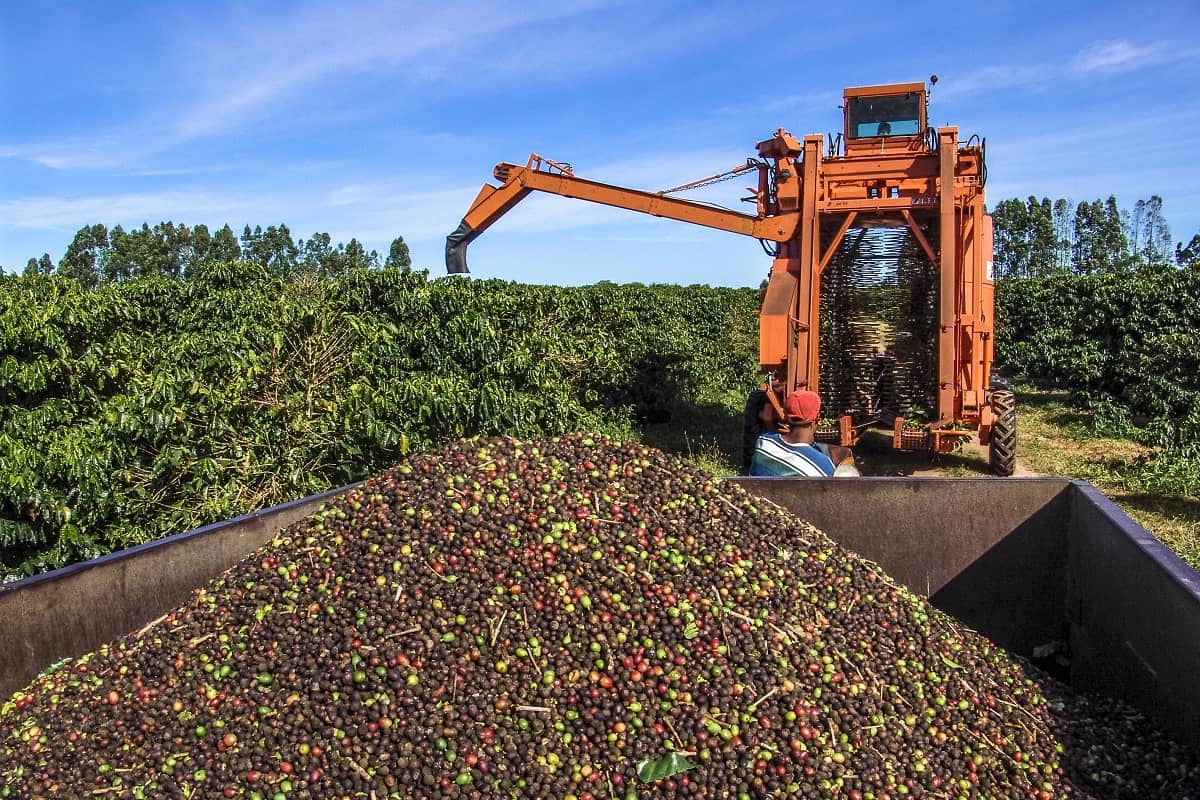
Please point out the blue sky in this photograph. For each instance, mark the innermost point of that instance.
(378, 119)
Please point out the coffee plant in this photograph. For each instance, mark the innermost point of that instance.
(148, 407)
(1126, 344)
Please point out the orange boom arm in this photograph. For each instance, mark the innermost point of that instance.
(777, 200)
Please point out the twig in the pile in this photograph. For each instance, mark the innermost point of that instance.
(1020, 772)
(362, 773)
(781, 632)
(720, 607)
(760, 700)
(675, 733)
(405, 632)
(966, 685)
(496, 628)
(1024, 711)
(538, 709)
(445, 578)
(871, 747)
(149, 625)
(852, 665)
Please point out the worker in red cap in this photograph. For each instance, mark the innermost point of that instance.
(794, 451)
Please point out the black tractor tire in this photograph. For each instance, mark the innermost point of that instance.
(1002, 444)
(752, 427)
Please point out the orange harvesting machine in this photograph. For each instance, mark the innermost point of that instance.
(880, 294)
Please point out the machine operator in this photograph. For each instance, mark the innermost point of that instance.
(793, 450)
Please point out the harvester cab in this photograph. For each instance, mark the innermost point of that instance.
(884, 118)
(880, 294)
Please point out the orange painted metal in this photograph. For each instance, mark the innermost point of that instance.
(948, 277)
(894, 172)
(521, 181)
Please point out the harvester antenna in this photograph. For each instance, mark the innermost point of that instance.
(928, 95)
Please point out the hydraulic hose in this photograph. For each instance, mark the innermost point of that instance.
(456, 249)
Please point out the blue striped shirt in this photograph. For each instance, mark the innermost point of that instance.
(775, 458)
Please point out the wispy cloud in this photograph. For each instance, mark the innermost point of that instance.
(992, 78)
(255, 67)
(101, 150)
(807, 101)
(172, 172)
(273, 61)
(66, 213)
(679, 235)
(1117, 55)
(1168, 131)
(1098, 58)
(1041, 161)
(377, 210)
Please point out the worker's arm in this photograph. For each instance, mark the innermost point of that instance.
(843, 462)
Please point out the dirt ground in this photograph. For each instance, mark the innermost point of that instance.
(875, 456)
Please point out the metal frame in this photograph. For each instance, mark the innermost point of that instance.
(927, 182)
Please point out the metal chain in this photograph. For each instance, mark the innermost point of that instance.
(718, 178)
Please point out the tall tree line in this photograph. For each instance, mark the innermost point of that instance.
(99, 255)
(1038, 237)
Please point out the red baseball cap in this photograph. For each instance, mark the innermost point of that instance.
(802, 406)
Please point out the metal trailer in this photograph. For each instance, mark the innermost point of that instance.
(1026, 561)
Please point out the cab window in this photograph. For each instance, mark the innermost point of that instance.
(889, 115)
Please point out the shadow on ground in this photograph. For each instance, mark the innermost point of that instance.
(1065, 415)
(1185, 509)
(875, 455)
(707, 433)
(712, 435)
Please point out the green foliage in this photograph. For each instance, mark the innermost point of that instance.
(1151, 237)
(398, 257)
(1188, 255)
(1098, 238)
(1126, 344)
(1039, 238)
(97, 255)
(649, 771)
(83, 260)
(40, 266)
(1026, 239)
(152, 405)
